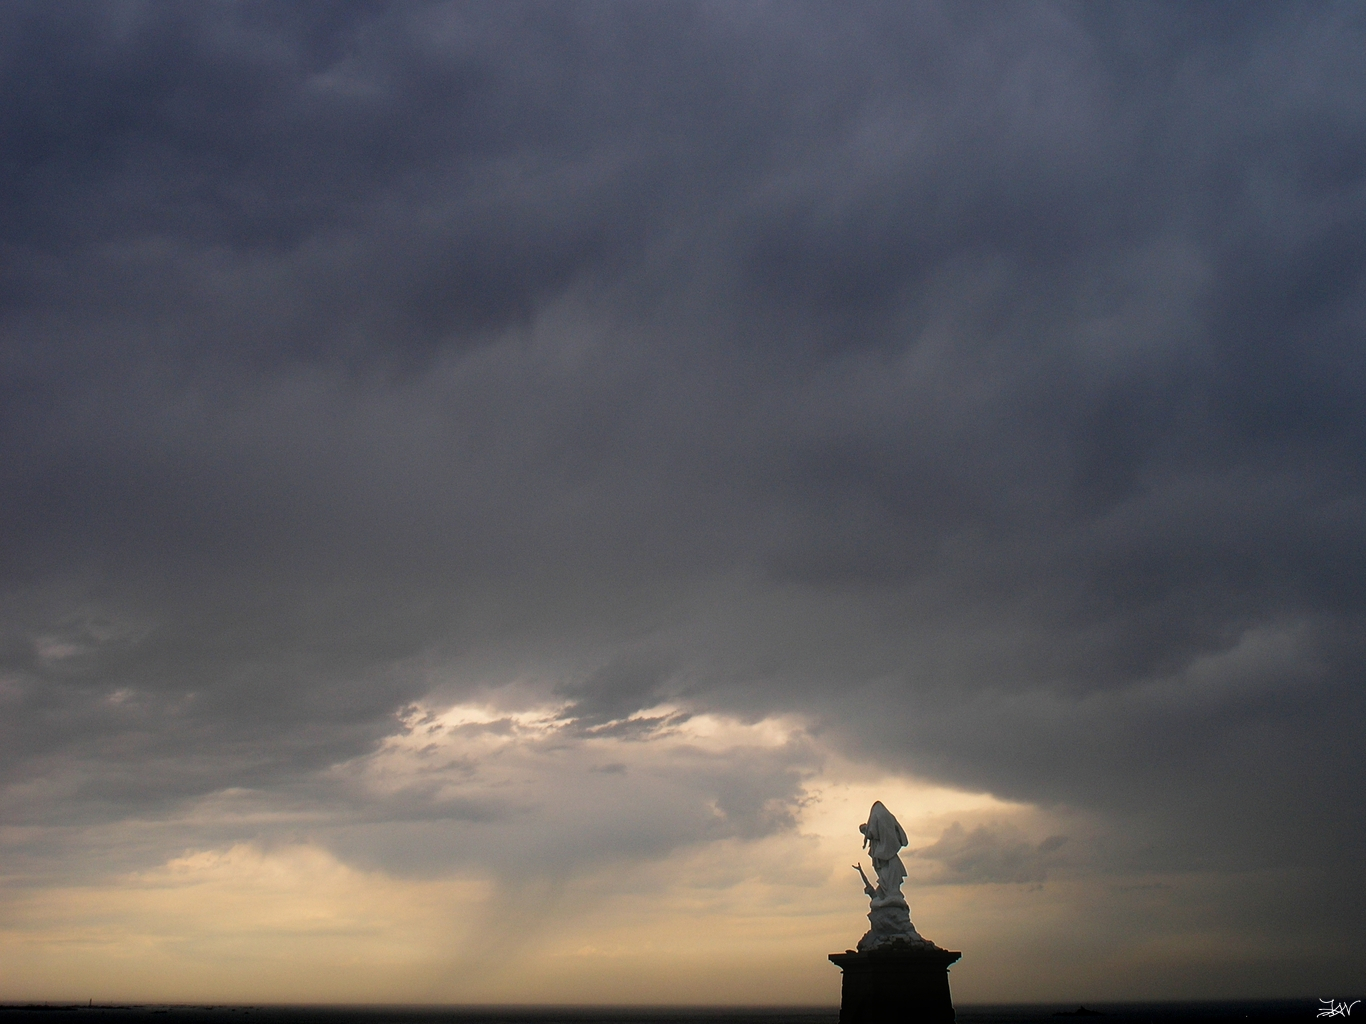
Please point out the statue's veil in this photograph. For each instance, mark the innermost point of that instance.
(885, 835)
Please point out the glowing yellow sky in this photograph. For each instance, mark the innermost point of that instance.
(726, 920)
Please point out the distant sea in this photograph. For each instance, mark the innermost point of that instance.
(1235, 1012)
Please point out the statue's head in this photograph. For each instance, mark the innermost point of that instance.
(882, 832)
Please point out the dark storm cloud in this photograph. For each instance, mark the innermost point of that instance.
(984, 383)
(991, 854)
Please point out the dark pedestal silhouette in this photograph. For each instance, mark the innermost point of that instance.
(896, 986)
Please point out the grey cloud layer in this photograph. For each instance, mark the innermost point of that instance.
(984, 383)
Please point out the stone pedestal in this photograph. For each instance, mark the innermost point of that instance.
(908, 985)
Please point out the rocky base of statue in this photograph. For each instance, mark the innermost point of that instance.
(890, 925)
(898, 982)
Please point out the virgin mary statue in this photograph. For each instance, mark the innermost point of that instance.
(888, 913)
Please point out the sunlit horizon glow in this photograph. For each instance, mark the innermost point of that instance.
(719, 921)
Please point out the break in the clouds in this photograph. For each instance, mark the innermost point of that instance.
(957, 393)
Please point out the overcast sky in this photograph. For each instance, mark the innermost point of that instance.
(490, 493)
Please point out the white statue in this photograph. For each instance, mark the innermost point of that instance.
(888, 912)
